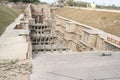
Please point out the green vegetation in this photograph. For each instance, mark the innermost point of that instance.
(103, 18)
(72, 3)
(61, 1)
(7, 16)
(76, 3)
(26, 1)
(79, 3)
(14, 61)
(111, 7)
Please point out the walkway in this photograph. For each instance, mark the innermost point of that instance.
(74, 66)
(12, 45)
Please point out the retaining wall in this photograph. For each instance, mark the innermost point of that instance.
(80, 37)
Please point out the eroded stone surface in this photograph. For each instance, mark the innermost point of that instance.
(15, 69)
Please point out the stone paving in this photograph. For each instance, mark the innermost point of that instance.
(76, 66)
(12, 45)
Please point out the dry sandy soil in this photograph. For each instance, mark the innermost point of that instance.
(106, 21)
(15, 69)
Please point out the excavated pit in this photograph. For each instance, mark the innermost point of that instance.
(42, 34)
(50, 32)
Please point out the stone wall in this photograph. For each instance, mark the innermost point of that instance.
(80, 37)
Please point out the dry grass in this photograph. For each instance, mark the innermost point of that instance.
(106, 21)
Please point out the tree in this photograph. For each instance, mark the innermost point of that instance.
(70, 2)
(26, 1)
(61, 1)
(77, 3)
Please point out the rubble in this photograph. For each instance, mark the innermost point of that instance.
(15, 69)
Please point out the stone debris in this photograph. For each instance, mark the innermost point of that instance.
(15, 69)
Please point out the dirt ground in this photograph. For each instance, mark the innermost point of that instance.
(15, 69)
(106, 21)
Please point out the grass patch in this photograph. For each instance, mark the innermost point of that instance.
(104, 18)
(7, 16)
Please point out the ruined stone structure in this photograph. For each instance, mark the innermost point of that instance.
(80, 37)
(35, 32)
(48, 33)
(42, 35)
